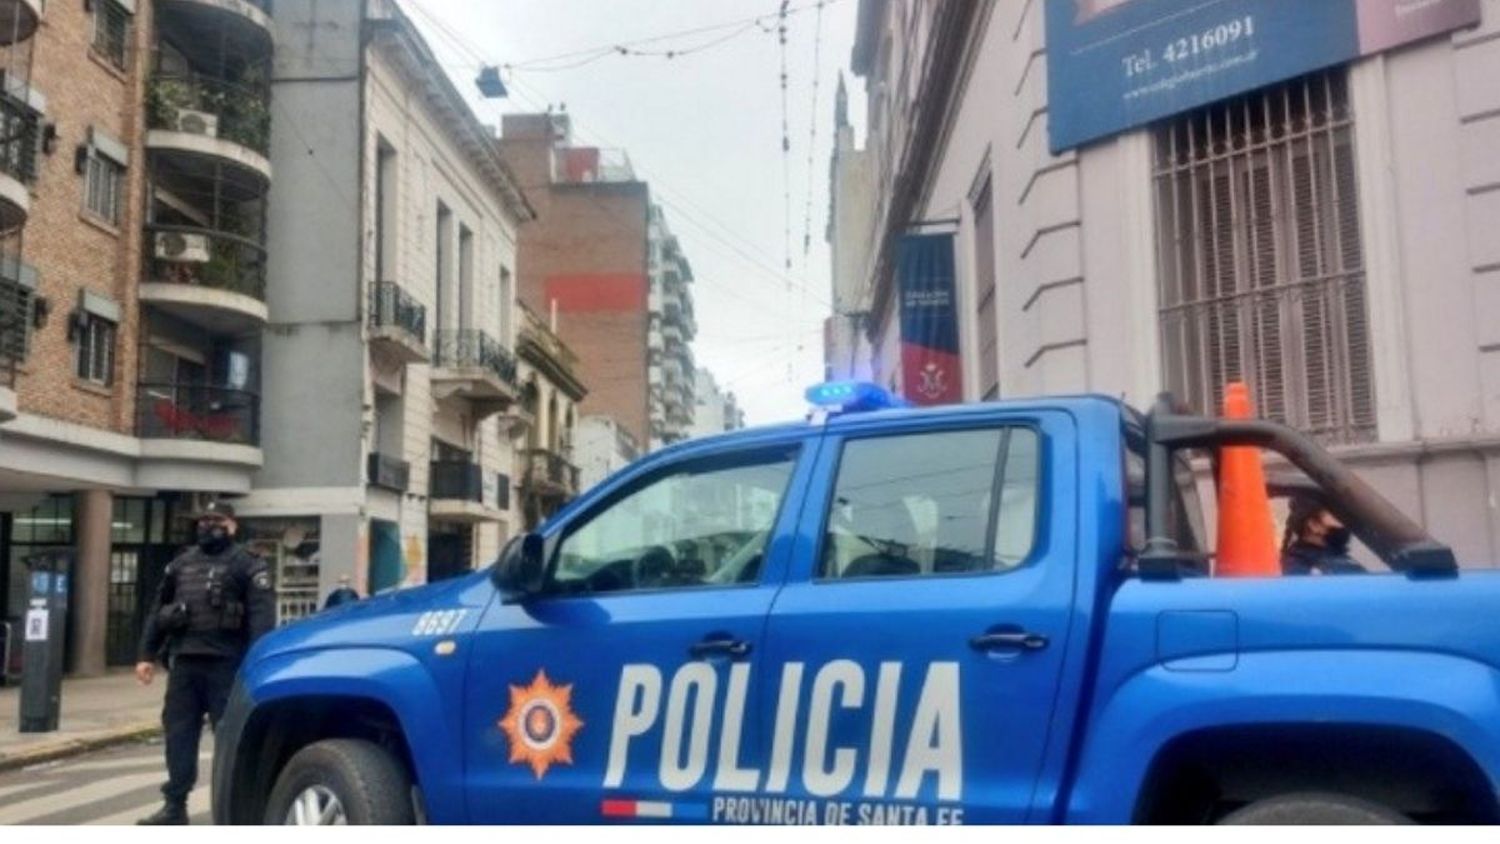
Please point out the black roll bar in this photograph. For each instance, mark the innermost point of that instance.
(1400, 542)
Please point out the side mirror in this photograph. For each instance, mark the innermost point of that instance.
(522, 568)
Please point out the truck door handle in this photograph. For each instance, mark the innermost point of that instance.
(718, 647)
(1009, 640)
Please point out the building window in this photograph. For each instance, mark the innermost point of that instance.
(112, 32)
(984, 296)
(1260, 259)
(103, 187)
(17, 300)
(96, 350)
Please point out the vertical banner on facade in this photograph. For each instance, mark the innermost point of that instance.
(930, 371)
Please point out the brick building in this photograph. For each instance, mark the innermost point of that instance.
(131, 290)
(600, 254)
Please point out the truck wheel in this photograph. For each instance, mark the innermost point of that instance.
(341, 781)
(1314, 808)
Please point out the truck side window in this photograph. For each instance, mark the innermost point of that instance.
(705, 524)
(937, 503)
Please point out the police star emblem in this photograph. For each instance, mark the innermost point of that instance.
(541, 724)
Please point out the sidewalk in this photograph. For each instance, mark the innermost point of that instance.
(96, 711)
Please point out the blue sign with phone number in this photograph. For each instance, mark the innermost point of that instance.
(1113, 65)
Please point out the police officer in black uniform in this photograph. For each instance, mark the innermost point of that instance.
(215, 601)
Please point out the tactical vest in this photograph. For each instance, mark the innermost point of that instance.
(205, 584)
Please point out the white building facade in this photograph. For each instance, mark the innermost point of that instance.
(1330, 239)
(550, 393)
(714, 410)
(393, 392)
(671, 329)
(601, 447)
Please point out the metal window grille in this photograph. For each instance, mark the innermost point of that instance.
(16, 303)
(112, 32)
(1260, 261)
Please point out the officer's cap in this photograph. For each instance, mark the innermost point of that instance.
(216, 507)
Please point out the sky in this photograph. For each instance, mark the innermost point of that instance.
(704, 128)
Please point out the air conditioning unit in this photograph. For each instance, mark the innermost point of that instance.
(197, 122)
(182, 247)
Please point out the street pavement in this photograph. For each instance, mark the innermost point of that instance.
(95, 711)
(113, 786)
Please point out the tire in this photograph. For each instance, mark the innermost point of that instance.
(1314, 808)
(369, 784)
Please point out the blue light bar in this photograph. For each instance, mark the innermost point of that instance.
(851, 396)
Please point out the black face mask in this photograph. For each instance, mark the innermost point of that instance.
(1337, 540)
(213, 538)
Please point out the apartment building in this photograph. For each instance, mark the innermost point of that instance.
(132, 189)
(601, 254)
(714, 410)
(1126, 217)
(601, 447)
(550, 393)
(671, 369)
(391, 391)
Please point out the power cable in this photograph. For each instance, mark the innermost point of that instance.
(786, 148)
(812, 135)
(662, 188)
(740, 26)
(661, 185)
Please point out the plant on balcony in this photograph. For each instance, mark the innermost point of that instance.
(244, 113)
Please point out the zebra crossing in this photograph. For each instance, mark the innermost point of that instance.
(109, 787)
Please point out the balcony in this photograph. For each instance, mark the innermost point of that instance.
(550, 475)
(20, 126)
(240, 21)
(18, 20)
(585, 165)
(198, 412)
(457, 492)
(398, 324)
(472, 365)
(197, 115)
(213, 279)
(387, 472)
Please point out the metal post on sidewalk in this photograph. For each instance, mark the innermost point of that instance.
(45, 628)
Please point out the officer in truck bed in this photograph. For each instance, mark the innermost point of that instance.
(215, 601)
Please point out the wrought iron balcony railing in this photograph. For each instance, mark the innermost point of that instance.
(551, 467)
(395, 308)
(388, 472)
(455, 480)
(20, 128)
(471, 348)
(197, 412)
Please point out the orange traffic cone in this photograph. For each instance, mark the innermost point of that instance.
(1247, 534)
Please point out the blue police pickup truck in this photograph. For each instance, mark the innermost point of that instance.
(989, 613)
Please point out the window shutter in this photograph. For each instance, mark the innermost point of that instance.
(1260, 259)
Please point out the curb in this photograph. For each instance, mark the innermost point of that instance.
(72, 747)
